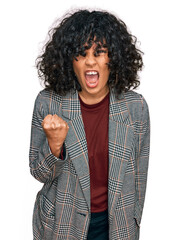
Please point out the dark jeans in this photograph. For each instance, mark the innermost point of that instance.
(98, 228)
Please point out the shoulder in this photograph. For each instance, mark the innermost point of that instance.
(133, 97)
(48, 101)
(136, 105)
(48, 95)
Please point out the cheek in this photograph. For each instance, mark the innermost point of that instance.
(76, 67)
(105, 69)
(77, 71)
(103, 62)
(105, 73)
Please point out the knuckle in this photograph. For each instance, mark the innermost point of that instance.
(49, 116)
(45, 126)
(65, 125)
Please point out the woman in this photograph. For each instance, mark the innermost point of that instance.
(90, 132)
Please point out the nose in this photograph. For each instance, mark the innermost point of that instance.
(90, 60)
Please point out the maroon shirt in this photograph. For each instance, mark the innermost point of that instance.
(96, 119)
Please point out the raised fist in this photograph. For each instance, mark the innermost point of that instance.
(56, 130)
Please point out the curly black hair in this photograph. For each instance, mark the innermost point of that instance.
(76, 33)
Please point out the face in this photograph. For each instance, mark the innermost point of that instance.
(92, 73)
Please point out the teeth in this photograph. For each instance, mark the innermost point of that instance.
(91, 73)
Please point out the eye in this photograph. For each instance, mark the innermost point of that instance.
(80, 55)
(99, 51)
(83, 54)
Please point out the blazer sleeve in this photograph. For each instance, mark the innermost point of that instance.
(142, 159)
(44, 166)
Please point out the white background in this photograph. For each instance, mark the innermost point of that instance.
(23, 28)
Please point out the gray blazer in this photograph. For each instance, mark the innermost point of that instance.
(62, 208)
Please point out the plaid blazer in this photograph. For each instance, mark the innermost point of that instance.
(62, 206)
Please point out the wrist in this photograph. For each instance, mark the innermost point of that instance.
(55, 149)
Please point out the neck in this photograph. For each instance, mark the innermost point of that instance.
(92, 99)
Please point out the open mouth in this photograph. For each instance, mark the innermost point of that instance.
(92, 78)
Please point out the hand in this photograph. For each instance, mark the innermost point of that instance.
(56, 130)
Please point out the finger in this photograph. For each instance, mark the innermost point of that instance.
(53, 125)
(46, 125)
(47, 119)
(56, 118)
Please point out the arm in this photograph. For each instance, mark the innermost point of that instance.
(142, 159)
(44, 166)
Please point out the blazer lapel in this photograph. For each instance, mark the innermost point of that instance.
(121, 136)
(76, 143)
